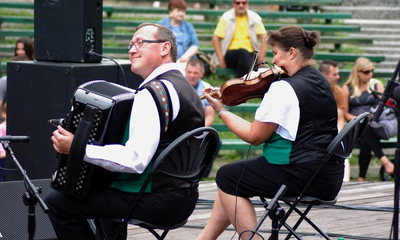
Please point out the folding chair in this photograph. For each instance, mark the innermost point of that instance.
(188, 157)
(341, 146)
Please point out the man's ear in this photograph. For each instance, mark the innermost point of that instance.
(166, 49)
(202, 73)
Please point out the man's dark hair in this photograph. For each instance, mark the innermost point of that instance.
(326, 64)
(195, 61)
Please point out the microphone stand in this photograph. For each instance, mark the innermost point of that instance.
(392, 90)
(31, 196)
(396, 95)
(275, 212)
(91, 53)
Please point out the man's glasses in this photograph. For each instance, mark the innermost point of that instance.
(238, 3)
(367, 71)
(140, 43)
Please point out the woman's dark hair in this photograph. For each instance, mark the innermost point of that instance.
(179, 4)
(28, 47)
(294, 36)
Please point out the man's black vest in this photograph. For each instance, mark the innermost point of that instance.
(191, 116)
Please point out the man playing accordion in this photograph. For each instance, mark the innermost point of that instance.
(152, 52)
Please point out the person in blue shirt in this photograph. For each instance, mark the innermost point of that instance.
(194, 71)
(185, 34)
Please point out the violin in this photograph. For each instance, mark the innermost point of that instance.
(253, 85)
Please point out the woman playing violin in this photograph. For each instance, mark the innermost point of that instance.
(296, 121)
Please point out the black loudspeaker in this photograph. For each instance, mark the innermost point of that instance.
(65, 30)
(40, 91)
(14, 214)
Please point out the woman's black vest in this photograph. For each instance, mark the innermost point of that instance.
(318, 116)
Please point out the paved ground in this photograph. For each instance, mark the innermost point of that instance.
(363, 211)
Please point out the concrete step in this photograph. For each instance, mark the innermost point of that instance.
(368, 11)
(387, 65)
(373, 21)
(386, 43)
(376, 25)
(383, 50)
(377, 37)
(361, 3)
(385, 34)
(378, 33)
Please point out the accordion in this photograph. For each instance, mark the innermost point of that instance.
(99, 115)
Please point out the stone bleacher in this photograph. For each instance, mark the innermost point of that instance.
(111, 24)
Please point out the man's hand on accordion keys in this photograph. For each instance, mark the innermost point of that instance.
(62, 140)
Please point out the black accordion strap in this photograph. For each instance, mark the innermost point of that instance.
(78, 148)
(163, 101)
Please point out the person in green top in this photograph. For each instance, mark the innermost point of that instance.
(296, 121)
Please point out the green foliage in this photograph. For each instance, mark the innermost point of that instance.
(214, 80)
(15, 12)
(349, 48)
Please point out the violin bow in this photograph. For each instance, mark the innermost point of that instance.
(255, 56)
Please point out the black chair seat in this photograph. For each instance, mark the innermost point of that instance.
(147, 225)
(151, 227)
(310, 200)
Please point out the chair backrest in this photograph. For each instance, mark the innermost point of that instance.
(342, 145)
(344, 142)
(190, 155)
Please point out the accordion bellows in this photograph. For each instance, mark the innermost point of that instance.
(99, 115)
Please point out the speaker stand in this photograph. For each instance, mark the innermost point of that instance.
(32, 195)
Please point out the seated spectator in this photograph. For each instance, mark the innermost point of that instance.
(359, 99)
(194, 73)
(238, 35)
(184, 32)
(24, 47)
(330, 70)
